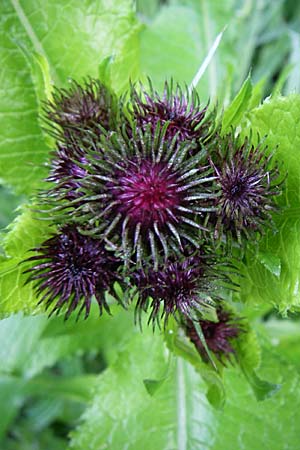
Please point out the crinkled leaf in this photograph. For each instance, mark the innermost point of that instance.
(247, 424)
(15, 294)
(71, 39)
(8, 206)
(178, 414)
(22, 146)
(25, 233)
(169, 419)
(278, 119)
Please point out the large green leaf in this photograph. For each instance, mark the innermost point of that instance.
(272, 274)
(124, 414)
(178, 415)
(67, 39)
(22, 146)
(8, 206)
(246, 424)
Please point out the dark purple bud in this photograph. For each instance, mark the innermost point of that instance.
(80, 109)
(176, 287)
(248, 182)
(218, 335)
(182, 111)
(70, 269)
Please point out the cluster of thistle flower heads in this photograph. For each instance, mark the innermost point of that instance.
(145, 191)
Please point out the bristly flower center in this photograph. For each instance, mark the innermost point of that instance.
(148, 193)
(237, 189)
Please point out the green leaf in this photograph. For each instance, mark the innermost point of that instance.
(257, 94)
(171, 418)
(61, 339)
(271, 262)
(8, 205)
(262, 389)
(234, 113)
(11, 400)
(15, 295)
(19, 336)
(285, 334)
(248, 424)
(43, 40)
(178, 415)
(75, 388)
(22, 146)
(272, 274)
(248, 354)
(181, 346)
(24, 233)
(76, 36)
(152, 386)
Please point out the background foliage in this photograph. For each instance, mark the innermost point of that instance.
(101, 383)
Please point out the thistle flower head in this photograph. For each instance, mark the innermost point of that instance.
(247, 182)
(177, 286)
(145, 195)
(86, 107)
(181, 111)
(218, 335)
(70, 269)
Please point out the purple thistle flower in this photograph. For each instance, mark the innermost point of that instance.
(218, 335)
(88, 107)
(182, 112)
(176, 287)
(247, 182)
(145, 195)
(70, 269)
